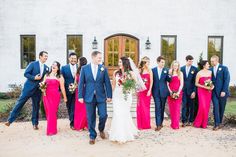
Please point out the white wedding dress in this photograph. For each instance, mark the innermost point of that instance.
(122, 126)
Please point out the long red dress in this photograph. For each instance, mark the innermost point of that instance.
(174, 104)
(143, 105)
(204, 101)
(51, 103)
(80, 119)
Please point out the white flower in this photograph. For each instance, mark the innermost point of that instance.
(47, 69)
(102, 69)
(192, 72)
(220, 69)
(165, 71)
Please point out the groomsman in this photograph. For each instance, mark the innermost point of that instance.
(34, 74)
(69, 71)
(189, 91)
(220, 79)
(160, 90)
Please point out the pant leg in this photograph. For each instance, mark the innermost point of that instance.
(163, 103)
(157, 101)
(191, 109)
(184, 108)
(91, 117)
(222, 104)
(102, 112)
(70, 104)
(36, 98)
(18, 106)
(216, 110)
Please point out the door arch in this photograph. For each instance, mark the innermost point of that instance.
(118, 45)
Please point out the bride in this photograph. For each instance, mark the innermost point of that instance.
(122, 126)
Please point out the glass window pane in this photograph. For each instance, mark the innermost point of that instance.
(215, 47)
(74, 44)
(168, 48)
(27, 50)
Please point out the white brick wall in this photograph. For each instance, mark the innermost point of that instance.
(51, 20)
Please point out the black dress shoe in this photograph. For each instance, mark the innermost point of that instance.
(72, 128)
(92, 141)
(35, 127)
(8, 123)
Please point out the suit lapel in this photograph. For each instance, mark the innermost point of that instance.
(98, 72)
(217, 71)
(68, 67)
(185, 75)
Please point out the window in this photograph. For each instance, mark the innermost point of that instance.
(215, 47)
(168, 48)
(74, 44)
(27, 50)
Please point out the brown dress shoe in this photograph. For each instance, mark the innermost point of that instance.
(221, 126)
(35, 127)
(216, 128)
(92, 141)
(158, 128)
(7, 123)
(184, 125)
(102, 135)
(189, 124)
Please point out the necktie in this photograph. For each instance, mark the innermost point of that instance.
(94, 71)
(187, 71)
(41, 69)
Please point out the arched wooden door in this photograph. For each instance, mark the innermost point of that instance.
(117, 46)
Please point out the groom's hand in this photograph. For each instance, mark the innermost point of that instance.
(38, 77)
(108, 99)
(81, 100)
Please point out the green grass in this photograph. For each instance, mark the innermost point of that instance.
(4, 104)
(231, 107)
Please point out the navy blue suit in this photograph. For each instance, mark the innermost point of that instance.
(160, 92)
(95, 93)
(188, 88)
(70, 104)
(30, 90)
(221, 83)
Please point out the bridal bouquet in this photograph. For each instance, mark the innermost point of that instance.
(208, 83)
(174, 95)
(43, 87)
(72, 87)
(128, 84)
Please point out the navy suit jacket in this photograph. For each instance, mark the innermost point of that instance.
(101, 87)
(31, 71)
(159, 88)
(68, 77)
(221, 81)
(189, 82)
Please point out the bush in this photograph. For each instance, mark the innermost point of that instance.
(15, 90)
(4, 96)
(232, 90)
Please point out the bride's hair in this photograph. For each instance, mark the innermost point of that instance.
(58, 71)
(126, 65)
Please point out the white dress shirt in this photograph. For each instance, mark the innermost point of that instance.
(94, 68)
(41, 66)
(215, 69)
(73, 69)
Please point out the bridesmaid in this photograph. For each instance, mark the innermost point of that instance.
(175, 99)
(144, 97)
(51, 98)
(80, 119)
(204, 94)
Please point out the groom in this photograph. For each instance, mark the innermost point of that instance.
(34, 73)
(95, 90)
(160, 90)
(220, 93)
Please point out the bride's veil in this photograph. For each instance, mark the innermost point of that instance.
(140, 86)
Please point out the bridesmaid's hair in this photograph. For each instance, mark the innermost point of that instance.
(144, 60)
(82, 62)
(202, 63)
(178, 71)
(58, 71)
(126, 65)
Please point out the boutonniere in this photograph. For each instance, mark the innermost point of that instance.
(102, 69)
(47, 69)
(192, 72)
(165, 71)
(220, 69)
